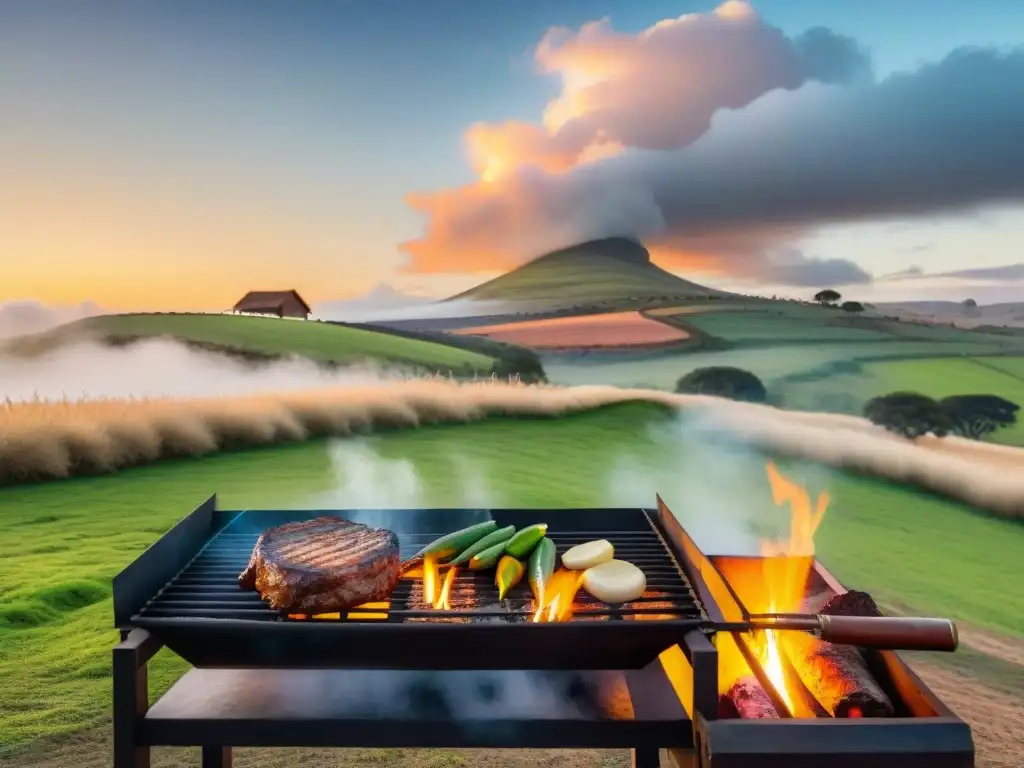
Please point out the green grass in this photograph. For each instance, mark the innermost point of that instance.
(939, 377)
(585, 273)
(766, 328)
(770, 363)
(62, 542)
(319, 341)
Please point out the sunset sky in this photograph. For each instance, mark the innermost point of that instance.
(175, 155)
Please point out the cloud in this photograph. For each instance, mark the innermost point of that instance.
(701, 63)
(1006, 273)
(790, 266)
(719, 140)
(381, 298)
(18, 318)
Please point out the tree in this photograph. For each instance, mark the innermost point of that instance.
(723, 381)
(519, 363)
(970, 303)
(975, 416)
(827, 296)
(909, 414)
(852, 306)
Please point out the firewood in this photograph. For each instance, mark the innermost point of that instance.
(746, 699)
(837, 675)
(851, 603)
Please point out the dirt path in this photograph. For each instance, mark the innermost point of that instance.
(996, 718)
(997, 646)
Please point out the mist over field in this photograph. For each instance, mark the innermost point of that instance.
(164, 368)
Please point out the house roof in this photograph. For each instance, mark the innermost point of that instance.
(269, 300)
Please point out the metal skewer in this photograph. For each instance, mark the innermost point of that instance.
(897, 633)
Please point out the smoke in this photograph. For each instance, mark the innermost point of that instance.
(162, 368)
(703, 493)
(717, 488)
(364, 479)
(721, 142)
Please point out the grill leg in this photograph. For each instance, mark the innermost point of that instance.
(645, 757)
(131, 701)
(216, 757)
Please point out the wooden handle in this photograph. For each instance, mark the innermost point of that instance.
(897, 633)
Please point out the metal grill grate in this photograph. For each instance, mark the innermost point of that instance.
(208, 587)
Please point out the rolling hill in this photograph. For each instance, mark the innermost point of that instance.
(598, 270)
(258, 338)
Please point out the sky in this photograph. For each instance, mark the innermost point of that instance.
(176, 155)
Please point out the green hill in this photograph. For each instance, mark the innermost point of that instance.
(257, 338)
(599, 270)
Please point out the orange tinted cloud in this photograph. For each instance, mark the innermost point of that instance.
(656, 90)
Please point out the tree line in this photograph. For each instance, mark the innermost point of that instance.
(908, 414)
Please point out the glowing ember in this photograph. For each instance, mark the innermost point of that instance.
(559, 596)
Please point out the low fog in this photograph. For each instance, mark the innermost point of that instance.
(162, 368)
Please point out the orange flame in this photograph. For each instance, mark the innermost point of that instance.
(443, 602)
(559, 596)
(787, 565)
(436, 592)
(777, 582)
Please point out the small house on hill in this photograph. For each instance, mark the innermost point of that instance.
(276, 303)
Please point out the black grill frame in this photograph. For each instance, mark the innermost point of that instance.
(216, 716)
(201, 613)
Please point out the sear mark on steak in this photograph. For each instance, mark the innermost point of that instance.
(323, 565)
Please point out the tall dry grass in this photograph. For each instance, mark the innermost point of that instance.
(48, 440)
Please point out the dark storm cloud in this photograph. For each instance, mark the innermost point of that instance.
(947, 137)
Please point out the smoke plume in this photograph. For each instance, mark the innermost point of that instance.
(720, 142)
(364, 479)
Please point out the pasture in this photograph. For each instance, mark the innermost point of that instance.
(322, 342)
(62, 542)
(937, 377)
(611, 330)
(768, 362)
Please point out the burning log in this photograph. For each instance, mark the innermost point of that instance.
(851, 603)
(837, 675)
(746, 699)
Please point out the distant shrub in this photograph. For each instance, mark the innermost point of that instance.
(723, 381)
(909, 414)
(975, 416)
(521, 364)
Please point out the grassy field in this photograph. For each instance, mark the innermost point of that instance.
(770, 363)
(770, 323)
(61, 542)
(587, 273)
(939, 377)
(318, 341)
(765, 328)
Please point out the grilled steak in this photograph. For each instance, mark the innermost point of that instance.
(322, 565)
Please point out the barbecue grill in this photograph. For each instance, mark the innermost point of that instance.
(400, 673)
